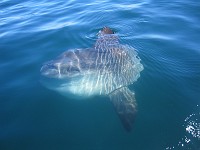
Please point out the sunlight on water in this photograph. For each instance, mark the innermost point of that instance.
(191, 140)
(165, 35)
(193, 126)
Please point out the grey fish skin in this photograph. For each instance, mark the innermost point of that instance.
(106, 69)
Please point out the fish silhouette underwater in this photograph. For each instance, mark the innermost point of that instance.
(106, 69)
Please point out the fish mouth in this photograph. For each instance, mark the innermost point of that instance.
(53, 83)
(52, 77)
(48, 70)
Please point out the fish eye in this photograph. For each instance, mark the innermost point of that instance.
(75, 69)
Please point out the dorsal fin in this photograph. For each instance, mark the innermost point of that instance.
(106, 37)
(106, 30)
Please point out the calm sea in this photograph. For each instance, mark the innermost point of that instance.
(166, 35)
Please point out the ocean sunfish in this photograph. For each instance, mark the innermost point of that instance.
(105, 69)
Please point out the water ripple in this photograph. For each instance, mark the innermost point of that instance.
(165, 35)
(191, 138)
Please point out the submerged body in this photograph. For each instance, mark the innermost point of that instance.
(106, 69)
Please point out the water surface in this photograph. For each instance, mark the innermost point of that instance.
(166, 36)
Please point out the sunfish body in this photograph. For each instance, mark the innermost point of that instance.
(105, 69)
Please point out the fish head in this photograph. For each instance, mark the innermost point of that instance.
(60, 70)
(65, 66)
(67, 73)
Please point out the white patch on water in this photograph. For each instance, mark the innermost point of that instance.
(191, 140)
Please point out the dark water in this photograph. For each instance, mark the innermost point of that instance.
(166, 35)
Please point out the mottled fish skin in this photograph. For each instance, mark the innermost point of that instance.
(120, 65)
(104, 68)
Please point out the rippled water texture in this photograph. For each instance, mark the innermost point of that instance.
(166, 36)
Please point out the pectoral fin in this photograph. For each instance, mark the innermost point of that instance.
(125, 104)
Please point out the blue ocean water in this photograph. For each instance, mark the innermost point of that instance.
(166, 35)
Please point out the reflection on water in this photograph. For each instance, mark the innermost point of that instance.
(191, 139)
(166, 37)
